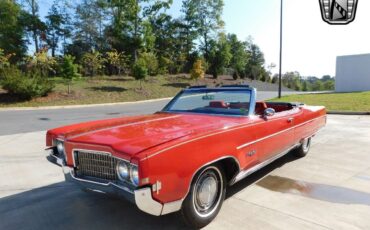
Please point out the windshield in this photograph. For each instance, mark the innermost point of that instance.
(212, 101)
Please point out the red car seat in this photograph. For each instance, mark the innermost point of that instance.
(218, 104)
(260, 107)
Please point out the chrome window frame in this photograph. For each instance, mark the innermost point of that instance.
(252, 101)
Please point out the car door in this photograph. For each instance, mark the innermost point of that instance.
(274, 134)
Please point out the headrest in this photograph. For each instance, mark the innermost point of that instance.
(217, 104)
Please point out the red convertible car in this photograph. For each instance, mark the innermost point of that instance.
(184, 157)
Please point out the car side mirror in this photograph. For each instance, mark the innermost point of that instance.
(269, 112)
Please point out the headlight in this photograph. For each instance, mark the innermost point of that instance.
(134, 175)
(60, 147)
(122, 171)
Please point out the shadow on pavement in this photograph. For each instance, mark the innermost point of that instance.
(65, 206)
(238, 187)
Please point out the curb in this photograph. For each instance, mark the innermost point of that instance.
(347, 113)
(80, 106)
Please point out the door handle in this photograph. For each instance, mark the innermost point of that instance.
(290, 120)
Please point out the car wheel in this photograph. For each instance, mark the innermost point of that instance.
(205, 198)
(304, 148)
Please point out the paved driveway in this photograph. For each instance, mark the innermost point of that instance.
(329, 189)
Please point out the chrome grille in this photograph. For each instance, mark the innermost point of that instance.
(95, 164)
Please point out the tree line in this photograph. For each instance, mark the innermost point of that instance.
(295, 81)
(115, 37)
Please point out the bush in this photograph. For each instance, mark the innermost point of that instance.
(165, 65)
(26, 86)
(151, 63)
(93, 63)
(117, 62)
(41, 63)
(235, 75)
(139, 70)
(4, 59)
(197, 71)
(69, 70)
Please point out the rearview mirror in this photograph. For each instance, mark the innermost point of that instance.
(208, 97)
(269, 112)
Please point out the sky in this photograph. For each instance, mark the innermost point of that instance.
(310, 45)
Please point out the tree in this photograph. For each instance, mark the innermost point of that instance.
(189, 25)
(129, 16)
(329, 85)
(306, 86)
(292, 80)
(240, 57)
(140, 71)
(89, 26)
(205, 17)
(33, 23)
(57, 27)
(317, 86)
(150, 61)
(255, 66)
(326, 78)
(220, 55)
(69, 70)
(275, 79)
(12, 32)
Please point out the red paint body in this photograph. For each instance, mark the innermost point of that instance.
(171, 148)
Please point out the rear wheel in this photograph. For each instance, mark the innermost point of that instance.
(304, 148)
(205, 198)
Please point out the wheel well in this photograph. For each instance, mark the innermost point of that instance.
(230, 167)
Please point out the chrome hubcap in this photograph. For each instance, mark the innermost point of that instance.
(207, 193)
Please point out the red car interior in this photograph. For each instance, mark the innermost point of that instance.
(280, 107)
(218, 104)
(260, 107)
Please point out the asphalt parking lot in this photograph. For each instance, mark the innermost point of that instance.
(329, 189)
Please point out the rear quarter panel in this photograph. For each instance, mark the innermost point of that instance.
(309, 122)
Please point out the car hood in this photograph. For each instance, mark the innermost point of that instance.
(135, 134)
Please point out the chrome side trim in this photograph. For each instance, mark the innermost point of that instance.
(275, 134)
(145, 202)
(243, 174)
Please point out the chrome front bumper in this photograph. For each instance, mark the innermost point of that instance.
(141, 197)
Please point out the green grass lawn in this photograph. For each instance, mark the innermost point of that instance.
(103, 90)
(356, 102)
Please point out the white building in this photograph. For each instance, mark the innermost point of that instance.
(353, 73)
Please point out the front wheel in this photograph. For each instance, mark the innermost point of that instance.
(304, 148)
(205, 198)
